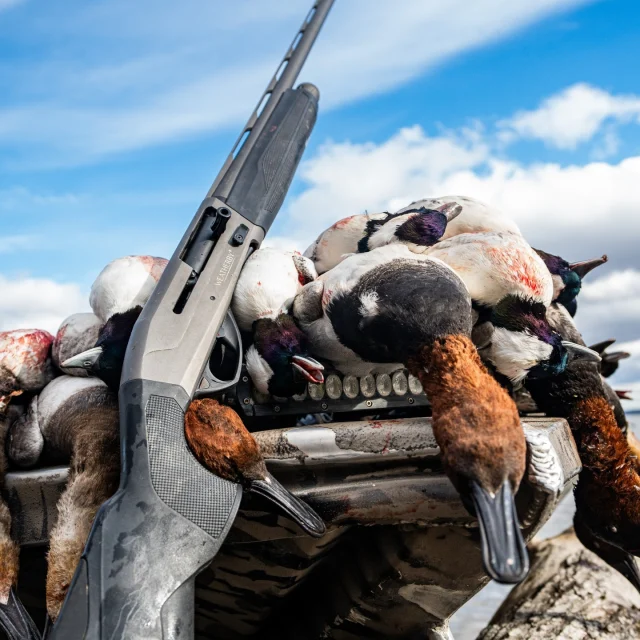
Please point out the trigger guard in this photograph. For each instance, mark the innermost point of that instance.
(224, 365)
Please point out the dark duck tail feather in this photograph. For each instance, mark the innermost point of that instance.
(15, 621)
(295, 508)
(504, 552)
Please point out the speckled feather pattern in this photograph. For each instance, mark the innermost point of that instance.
(608, 491)
(9, 550)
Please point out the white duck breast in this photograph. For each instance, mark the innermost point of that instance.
(475, 217)
(125, 283)
(336, 309)
(78, 333)
(494, 265)
(269, 281)
(340, 240)
(46, 420)
(25, 360)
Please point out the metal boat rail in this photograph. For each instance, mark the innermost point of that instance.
(401, 553)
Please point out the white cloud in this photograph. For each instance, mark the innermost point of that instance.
(38, 303)
(9, 244)
(573, 116)
(161, 79)
(347, 178)
(609, 307)
(575, 211)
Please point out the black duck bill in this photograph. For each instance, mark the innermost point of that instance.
(504, 552)
(15, 621)
(84, 360)
(297, 510)
(580, 352)
(619, 559)
(586, 266)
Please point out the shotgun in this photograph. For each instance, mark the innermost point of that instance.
(170, 515)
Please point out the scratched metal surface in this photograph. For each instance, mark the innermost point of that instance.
(400, 556)
(402, 576)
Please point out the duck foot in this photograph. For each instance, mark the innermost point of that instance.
(15, 621)
(295, 508)
(504, 553)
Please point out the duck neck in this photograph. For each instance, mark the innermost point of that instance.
(609, 482)
(452, 373)
(603, 447)
(473, 416)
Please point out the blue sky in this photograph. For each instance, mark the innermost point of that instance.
(115, 117)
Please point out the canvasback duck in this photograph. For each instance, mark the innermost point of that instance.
(391, 307)
(106, 360)
(608, 490)
(221, 442)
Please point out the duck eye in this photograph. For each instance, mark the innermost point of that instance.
(613, 529)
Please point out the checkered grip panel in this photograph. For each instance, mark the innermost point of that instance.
(178, 478)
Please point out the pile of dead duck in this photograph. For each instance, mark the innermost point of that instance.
(446, 288)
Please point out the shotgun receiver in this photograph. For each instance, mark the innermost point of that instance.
(170, 515)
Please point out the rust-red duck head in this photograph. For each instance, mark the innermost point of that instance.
(221, 442)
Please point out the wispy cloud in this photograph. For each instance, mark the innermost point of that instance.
(9, 244)
(19, 198)
(38, 303)
(578, 211)
(127, 92)
(573, 116)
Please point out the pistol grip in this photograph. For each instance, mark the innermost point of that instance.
(149, 541)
